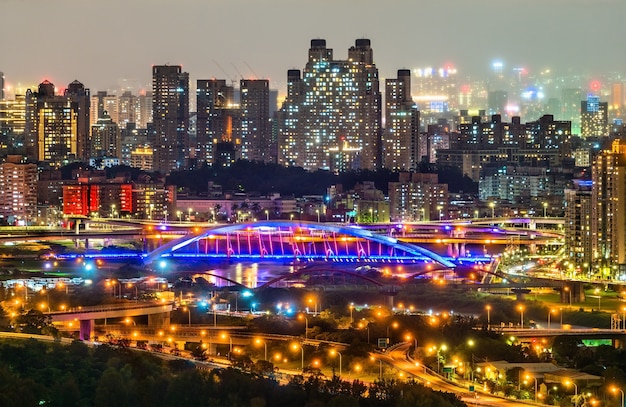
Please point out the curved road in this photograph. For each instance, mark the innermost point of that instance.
(397, 357)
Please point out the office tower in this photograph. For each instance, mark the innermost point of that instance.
(1, 86)
(608, 209)
(144, 110)
(18, 186)
(437, 137)
(101, 102)
(12, 118)
(578, 223)
(79, 98)
(170, 116)
(216, 115)
(57, 127)
(497, 101)
(401, 134)
(594, 120)
(105, 138)
(255, 119)
(332, 114)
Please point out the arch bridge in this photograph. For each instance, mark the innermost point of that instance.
(295, 241)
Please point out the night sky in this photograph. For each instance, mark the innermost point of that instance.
(111, 44)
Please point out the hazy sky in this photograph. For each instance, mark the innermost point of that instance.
(109, 43)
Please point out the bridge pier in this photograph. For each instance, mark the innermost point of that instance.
(86, 329)
(161, 320)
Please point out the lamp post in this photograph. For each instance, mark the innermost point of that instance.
(615, 390)
(380, 367)
(598, 292)
(258, 341)
(439, 208)
(521, 310)
(333, 352)
(549, 313)
(535, 379)
(294, 347)
(267, 215)
(318, 215)
(189, 216)
(351, 309)
(488, 308)
(568, 382)
(545, 209)
(306, 325)
(189, 314)
(492, 205)
(394, 325)
(569, 291)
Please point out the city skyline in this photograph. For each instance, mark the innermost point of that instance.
(272, 35)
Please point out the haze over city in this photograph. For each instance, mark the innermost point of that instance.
(112, 44)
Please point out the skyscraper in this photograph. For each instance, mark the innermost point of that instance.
(216, 114)
(105, 138)
(170, 115)
(608, 209)
(57, 127)
(331, 117)
(255, 119)
(401, 135)
(1, 86)
(594, 117)
(18, 186)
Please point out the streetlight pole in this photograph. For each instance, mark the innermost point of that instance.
(267, 215)
(545, 209)
(306, 326)
(295, 346)
(616, 389)
(318, 215)
(549, 312)
(488, 307)
(521, 310)
(535, 379)
(597, 291)
(568, 382)
(338, 353)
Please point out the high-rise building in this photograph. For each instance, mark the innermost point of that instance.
(608, 209)
(80, 98)
(57, 127)
(217, 118)
(1, 86)
(170, 115)
(18, 186)
(12, 117)
(255, 119)
(105, 138)
(578, 223)
(332, 114)
(401, 135)
(594, 120)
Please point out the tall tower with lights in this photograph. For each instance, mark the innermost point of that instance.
(331, 118)
(170, 116)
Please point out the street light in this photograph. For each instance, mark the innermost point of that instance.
(615, 390)
(568, 382)
(333, 352)
(318, 215)
(295, 346)
(488, 308)
(545, 209)
(442, 348)
(189, 313)
(258, 341)
(492, 205)
(439, 208)
(306, 325)
(549, 313)
(351, 309)
(535, 379)
(267, 215)
(521, 310)
(189, 216)
(570, 295)
(380, 367)
(597, 291)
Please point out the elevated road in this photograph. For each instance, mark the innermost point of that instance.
(111, 311)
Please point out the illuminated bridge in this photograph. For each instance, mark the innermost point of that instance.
(296, 241)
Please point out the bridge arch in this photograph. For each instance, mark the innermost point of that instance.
(283, 239)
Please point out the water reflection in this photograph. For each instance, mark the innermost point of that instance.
(251, 275)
